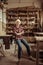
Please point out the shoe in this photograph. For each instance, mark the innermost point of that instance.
(31, 58)
(29, 53)
(18, 62)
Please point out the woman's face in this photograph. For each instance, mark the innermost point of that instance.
(18, 24)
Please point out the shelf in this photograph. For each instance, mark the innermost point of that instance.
(8, 23)
(9, 28)
(9, 32)
(11, 19)
(26, 14)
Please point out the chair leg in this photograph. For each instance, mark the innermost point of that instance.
(15, 50)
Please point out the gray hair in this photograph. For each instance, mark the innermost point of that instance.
(18, 20)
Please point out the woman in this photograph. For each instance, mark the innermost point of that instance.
(18, 31)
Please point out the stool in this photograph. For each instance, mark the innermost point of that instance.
(15, 50)
(15, 47)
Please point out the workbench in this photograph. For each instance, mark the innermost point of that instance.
(6, 40)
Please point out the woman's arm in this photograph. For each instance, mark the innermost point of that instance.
(19, 33)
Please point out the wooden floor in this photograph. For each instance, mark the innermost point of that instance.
(13, 61)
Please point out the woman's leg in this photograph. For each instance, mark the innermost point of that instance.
(26, 45)
(19, 47)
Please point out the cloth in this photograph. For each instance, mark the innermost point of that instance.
(18, 30)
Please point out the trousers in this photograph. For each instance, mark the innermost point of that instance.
(19, 43)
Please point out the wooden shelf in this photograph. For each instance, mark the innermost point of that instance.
(11, 23)
(26, 14)
(9, 32)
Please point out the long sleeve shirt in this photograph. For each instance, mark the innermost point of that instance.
(17, 31)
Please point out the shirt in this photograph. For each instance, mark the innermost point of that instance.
(18, 30)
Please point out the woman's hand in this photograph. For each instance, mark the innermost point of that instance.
(19, 33)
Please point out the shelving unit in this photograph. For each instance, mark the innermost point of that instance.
(28, 16)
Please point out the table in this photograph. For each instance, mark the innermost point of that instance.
(39, 38)
(6, 40)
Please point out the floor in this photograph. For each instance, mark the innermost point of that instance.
(11, 59)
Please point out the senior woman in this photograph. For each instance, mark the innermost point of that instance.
(18, 31)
